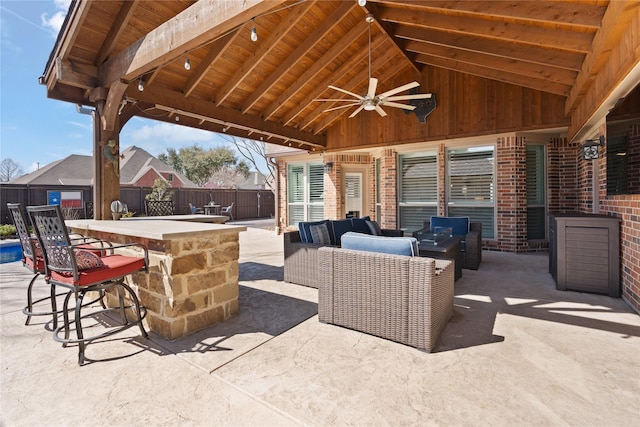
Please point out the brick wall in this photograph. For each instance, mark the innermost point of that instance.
(388, 193)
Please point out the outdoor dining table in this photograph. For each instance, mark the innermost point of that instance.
(211, 209)
(192, 281)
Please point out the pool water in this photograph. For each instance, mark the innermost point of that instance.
(10, 251)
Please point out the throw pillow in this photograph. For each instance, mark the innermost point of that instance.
(87, 260)
(320, 234)
(305, 232)
(359, 225)
(374, 228)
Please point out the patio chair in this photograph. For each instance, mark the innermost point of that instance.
(227, 211)
(81, 271)
(158, 207)
(470, 232)
(195, 209)
(33, 259)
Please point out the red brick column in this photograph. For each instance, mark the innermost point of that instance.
(511, 161)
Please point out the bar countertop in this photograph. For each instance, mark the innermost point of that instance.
(153, 228)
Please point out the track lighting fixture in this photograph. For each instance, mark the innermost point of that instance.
(140, 85)
(254, 32)
(187, 64)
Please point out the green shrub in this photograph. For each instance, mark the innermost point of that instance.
(7, 230)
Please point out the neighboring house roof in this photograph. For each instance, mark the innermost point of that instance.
(255, 180)
(78, 170)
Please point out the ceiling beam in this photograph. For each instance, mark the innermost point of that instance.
(534, 54)
(614, 24)
(503, 76)
(76, 74)
(176, 100)
(116, 30)
(495, 30)
(264, 49)
(553, 12)
(303, 48)
(317, 66)
(200, 23)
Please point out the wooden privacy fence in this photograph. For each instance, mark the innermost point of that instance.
(247, 204)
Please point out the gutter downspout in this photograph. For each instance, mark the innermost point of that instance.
(97, 161)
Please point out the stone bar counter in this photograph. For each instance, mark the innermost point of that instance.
(193, 270)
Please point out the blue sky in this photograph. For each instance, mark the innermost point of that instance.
(37, 130)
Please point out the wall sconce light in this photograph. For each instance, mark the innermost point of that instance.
(590, 148)
(328, 167)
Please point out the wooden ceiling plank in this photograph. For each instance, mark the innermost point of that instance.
(320, 87)
(176, 100)
(506, 49)
(116, 30)
(315, 68)
(202, 22)
(547, 72)
(480, 71)
(554, 12)
(614, 23)
(303, 48)
(520, 33)
(205, 65)
(263, 50)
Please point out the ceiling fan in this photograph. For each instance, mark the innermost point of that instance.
(371, 101)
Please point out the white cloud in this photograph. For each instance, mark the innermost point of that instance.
(54, 23)
(169, 134)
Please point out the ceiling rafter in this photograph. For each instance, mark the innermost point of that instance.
(554, 12)
(303, 48)
(519, 67)
(263, 50)
(315, 68)
(489, 73)
(515, 32)
(116, 30)
(506, 49)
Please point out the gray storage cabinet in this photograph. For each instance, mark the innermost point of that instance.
(584, 253)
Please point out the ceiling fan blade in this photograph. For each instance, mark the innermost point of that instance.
(347, 92)
(357, 111)
(373, 84)
(380, 111)
(399, 89)
(407, 97)
(341, 106)
(397, 105)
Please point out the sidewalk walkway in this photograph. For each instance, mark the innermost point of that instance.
(517, 353)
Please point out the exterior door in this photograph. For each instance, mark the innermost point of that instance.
(353, 194)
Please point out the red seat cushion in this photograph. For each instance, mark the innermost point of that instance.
(39, 264)
(114, 266)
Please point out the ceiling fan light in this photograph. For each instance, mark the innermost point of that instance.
(369, 106)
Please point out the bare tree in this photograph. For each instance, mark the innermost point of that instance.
(227, 177)
(254, 151)
(9, 169)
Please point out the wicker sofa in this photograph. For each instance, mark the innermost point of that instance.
(396, 297)
(301, 258)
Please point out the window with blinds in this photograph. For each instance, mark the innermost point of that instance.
(305, 189)
(536, 194)
(418, 189)
(471, 187)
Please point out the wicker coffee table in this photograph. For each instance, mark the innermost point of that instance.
(448, 248)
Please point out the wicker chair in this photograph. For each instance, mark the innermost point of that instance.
(400, 298)
(81, 271)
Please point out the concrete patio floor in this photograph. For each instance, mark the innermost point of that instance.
(517, 353)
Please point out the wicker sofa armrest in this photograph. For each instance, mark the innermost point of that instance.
(354, 282)
(300, 260)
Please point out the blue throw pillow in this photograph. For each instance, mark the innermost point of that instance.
(458, 224)
(340, 227)
(360, 225)
(320, 234)
(382, 244)
(305, 232)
